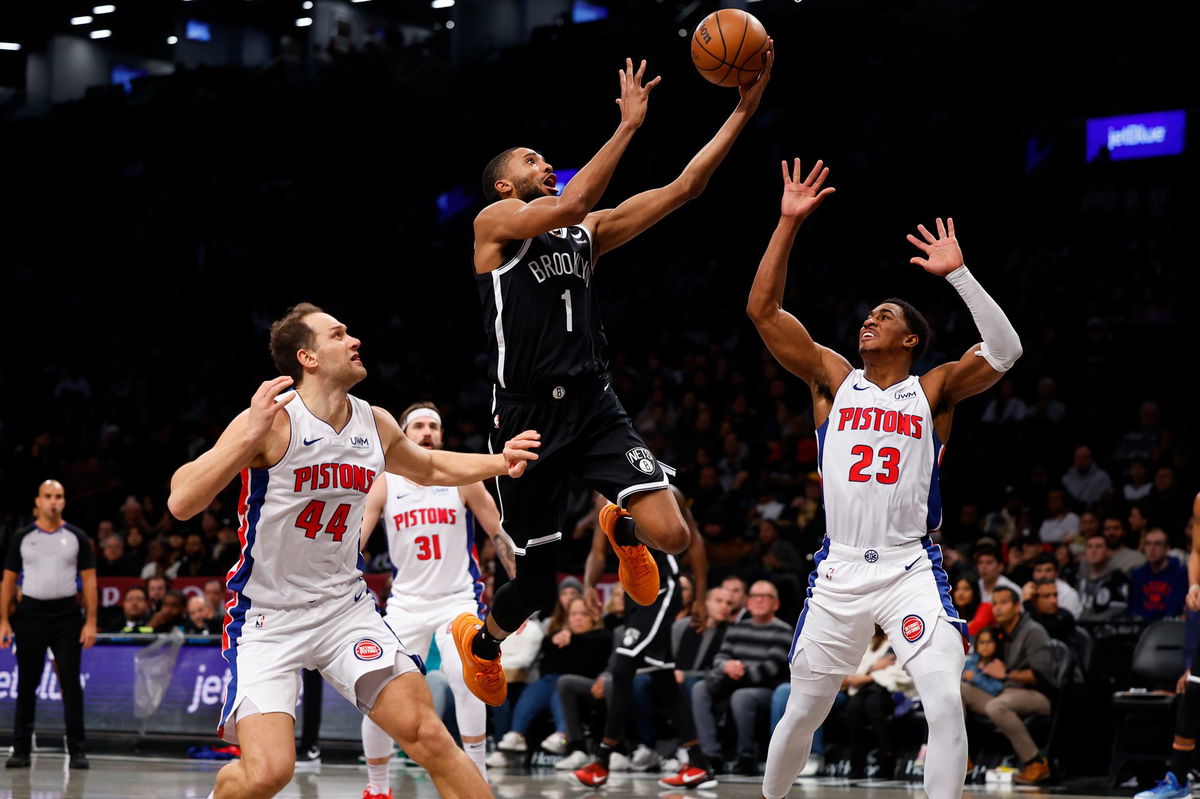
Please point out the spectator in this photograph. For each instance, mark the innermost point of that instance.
(695, 649)
(776, 558)
(1005, 407)
(227, 550)
(215, 595)
(1043, 607)
(752, 661)
(976, 665)
(200, 620)
(978, 614)
(1085, 481)
(1139, 481)
(614, 608)
(1148, 442)
(1022, 551)
(1002, 524)
(1102, 586)
(194, 562)
(991, 572)
(687, 595)
(735, 592)
(1024, 664)
(1158, 588)
(1122, 557)
(1165, 505)
(113, 561)
(1047, 408)
(1045, 567)
(1060, 523)
(135, 546)
(134, 615)
(170, 614)
(870, 704)
(158, 559)
(520, 654)
(156, 590)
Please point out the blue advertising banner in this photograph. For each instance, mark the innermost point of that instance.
(1136, 135)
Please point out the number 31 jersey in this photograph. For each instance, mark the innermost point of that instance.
(431, 540)
(879, 455)
(299, 519)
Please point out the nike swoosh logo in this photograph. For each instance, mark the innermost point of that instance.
(360, 595)
(315, 440)
(860, 388)
(909, 566)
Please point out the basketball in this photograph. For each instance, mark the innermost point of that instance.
(729, 47)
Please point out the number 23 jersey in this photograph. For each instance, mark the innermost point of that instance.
(299, 520)
(431, 540)
(879, 458)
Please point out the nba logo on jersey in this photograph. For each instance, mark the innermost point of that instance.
(912, 627)
(368, 649)
(259, 621)
(641, 459)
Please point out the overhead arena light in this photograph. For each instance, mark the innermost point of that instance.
(104, 9)
(172, 40)
(442, 3)
(303, 22)
(9, 46)
(81, 20)
(307, 4)
(104, 34)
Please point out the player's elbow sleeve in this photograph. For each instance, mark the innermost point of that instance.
(1002, 355)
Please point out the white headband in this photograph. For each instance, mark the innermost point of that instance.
(419, 413)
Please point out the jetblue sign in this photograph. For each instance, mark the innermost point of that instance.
(1136, 135)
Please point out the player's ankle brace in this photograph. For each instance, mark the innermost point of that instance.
(623, 532)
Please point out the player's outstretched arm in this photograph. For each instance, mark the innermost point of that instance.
(984, 364)
(785, 337)
(514, 219)
(376, 500)
(246, 442)
(615, 226)
(484, 509)
(442, 468)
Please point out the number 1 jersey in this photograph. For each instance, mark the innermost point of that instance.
(299, 520)
(879, 455)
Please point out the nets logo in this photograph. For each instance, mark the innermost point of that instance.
(641, 459)
(368, 649)
(913, 627)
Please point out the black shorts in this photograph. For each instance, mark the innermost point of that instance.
(647, 636)
(586, 433)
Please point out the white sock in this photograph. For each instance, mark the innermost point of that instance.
(377, 778)
(477, 751)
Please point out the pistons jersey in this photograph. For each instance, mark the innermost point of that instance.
(431, 540)
(299, 520)
(879, 458)
(540, 314)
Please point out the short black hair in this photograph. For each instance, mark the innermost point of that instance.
(986, 550)
(1016, 598)
(917, 324)
(495, 171)
(1044, 558)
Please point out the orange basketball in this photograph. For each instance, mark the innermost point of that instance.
(729, 47)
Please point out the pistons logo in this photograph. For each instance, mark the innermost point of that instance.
(913, 627)
(368, 649)
(642, 459)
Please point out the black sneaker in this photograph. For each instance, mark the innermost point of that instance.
(17, 760)
(747, 766)
(80, 761)
(308, 757)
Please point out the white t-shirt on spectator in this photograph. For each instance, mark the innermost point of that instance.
(1054, 530)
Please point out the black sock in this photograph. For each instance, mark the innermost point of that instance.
(1180, 764)
(623, 532)
(484, 645)
(697, 758)
(603, 754)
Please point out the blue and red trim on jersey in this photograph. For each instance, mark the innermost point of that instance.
(818, 558)
(942, 581)
(477, 582)
(933, 512)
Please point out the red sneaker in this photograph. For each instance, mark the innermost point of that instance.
(593, 775)
(368, 795)
(690, 777)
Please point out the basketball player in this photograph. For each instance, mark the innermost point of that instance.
(435, 576)
(880, 431)
(1174, 785)
(647, 643)
(535, 252)
(307, 459)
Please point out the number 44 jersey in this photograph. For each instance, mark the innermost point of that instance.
(879, 459)
(299, 520)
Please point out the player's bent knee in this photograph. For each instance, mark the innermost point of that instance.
(269, 777)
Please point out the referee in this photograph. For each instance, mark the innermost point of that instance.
(51, 553)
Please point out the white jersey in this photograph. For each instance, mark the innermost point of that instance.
(431, 541)
(879, 458)
(299, 520)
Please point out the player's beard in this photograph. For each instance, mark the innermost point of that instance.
(529, 190)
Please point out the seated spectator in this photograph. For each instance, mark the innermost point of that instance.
(735, 592)
(1085, 481)
(156, 590)
(569, 589)
(158, 559)
(195, 561)
(1002, 524)
(1005, 407)
(966, 601)
(1022, 551)
(135, 546)
(1045, 567)
(687, 595)
(695, 649)
(1060, 523)
(1166, 506)
(520, 653)
(1123, 558)
(978, 669)
(1158, 588)
(614, 608)
(1102, 586)
(580, 646)
(134, 616)
(870, 704)
(751, 663)
(215, 594)
(200, 619)
(113, 562)
(776, 558)
(228, 549)
(1024, 663)
(1139, 481)
(171, 614)
(991, 572)
(1043, 608)
(1047, 408)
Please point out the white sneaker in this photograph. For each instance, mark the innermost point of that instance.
(513, 742)
(813, 767)
(644, 758)
(576, 759)
(496, 759)
(555, 743)
(618, 762)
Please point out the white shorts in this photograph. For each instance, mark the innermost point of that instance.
(903, 589)
(344, 638)
(417, 619)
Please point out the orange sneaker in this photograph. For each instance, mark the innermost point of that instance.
(485, 678)
(638, 572)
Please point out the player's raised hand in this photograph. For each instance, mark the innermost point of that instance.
(942, 254)
(801, 197)
(634, 96)
(264, 406)
(517, 454)
(751, 93)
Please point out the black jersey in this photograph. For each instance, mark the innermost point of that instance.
(540, 313)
